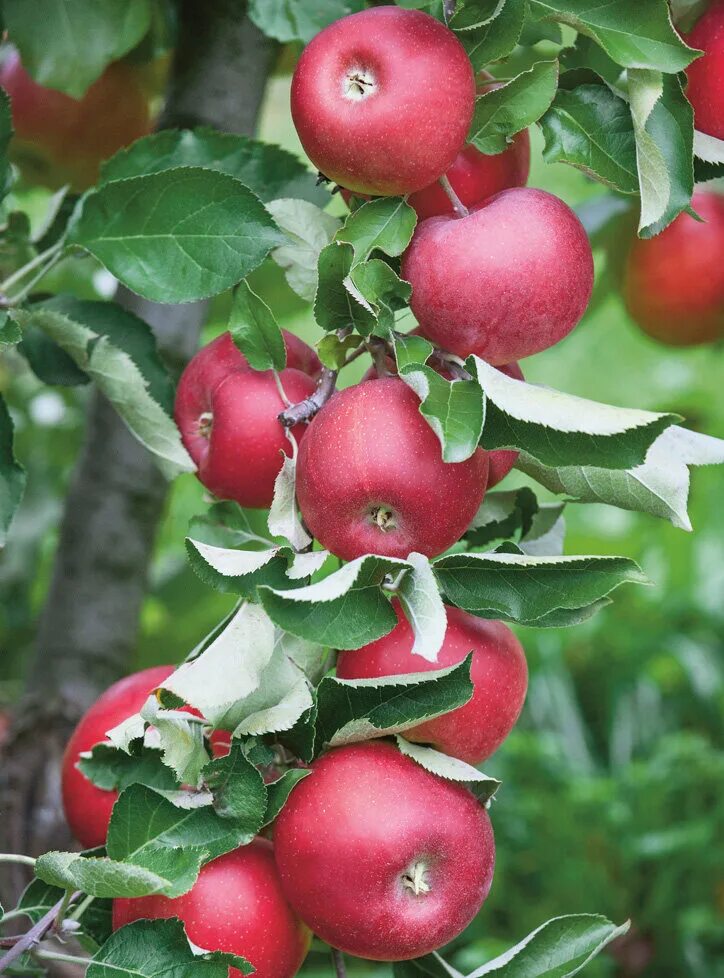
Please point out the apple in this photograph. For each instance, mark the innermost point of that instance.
(88, 807)
(674, 283)
(499, 674)
(59, 139)
(502, 460)
(235, 905)
(383, 99)
(228, 417)
(473, 176)
(381, 858)
(509, 280)
(705, 90)
(371, 479)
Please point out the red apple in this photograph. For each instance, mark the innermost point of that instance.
(235, 905)
(88, 807)
(381, 858)
(705, 90)
(383, 100)
(501, 461)
(371, 479)
(59, 139)
(509, 280)
(473, 176)
(228, 417)
(674, 283)
(499, 673)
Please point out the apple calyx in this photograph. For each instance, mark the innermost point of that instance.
(358, 84)
(415, 878)
(206, 423)
(383, 518)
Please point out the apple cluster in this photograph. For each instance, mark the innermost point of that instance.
(383, 101)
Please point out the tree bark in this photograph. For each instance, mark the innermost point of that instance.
(89, 625)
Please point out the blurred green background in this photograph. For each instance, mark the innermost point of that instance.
(612, 795)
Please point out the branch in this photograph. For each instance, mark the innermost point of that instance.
(306, 409)
(35, 935)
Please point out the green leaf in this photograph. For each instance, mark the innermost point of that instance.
(103, 877)
(292, 20)
(345, 610)
(237, 571)
(12, 474)
(560, 429)
(455, 410)
(489, 29)
(502, 515)
(335, 305)
(148, 831)
(255, 331)
(244, 680)
(540, 591)
(635, 35)
(116, 349)
(10, 332)
(278, 791)
(423, 606)
(270, 171)
(560, 948)
(352, 710)
(180, 737)
(238, 788)
(113, 770)
(67, 44)
(284, 517)
(49, 361)
(504, 111)
(659, 486)
(379, 289)
(332, 350)
(126, 331)
(450, 768)
(307, 230)
(663, 122)
(385, 224)
(157, 948)
(410, 349)
(175, 236)
(590, 127)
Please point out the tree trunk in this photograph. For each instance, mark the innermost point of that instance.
(89, 625)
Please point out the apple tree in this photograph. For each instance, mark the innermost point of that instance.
(312, 768)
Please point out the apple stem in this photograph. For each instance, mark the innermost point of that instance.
(282, 393)
(306, 409)
(338, 961)
(458, 206)
(379, 350)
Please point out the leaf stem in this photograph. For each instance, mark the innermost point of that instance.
(28, 288)
(81, 908)
(20, 273)
(55, 956)
(11, 857)
(458, 206)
